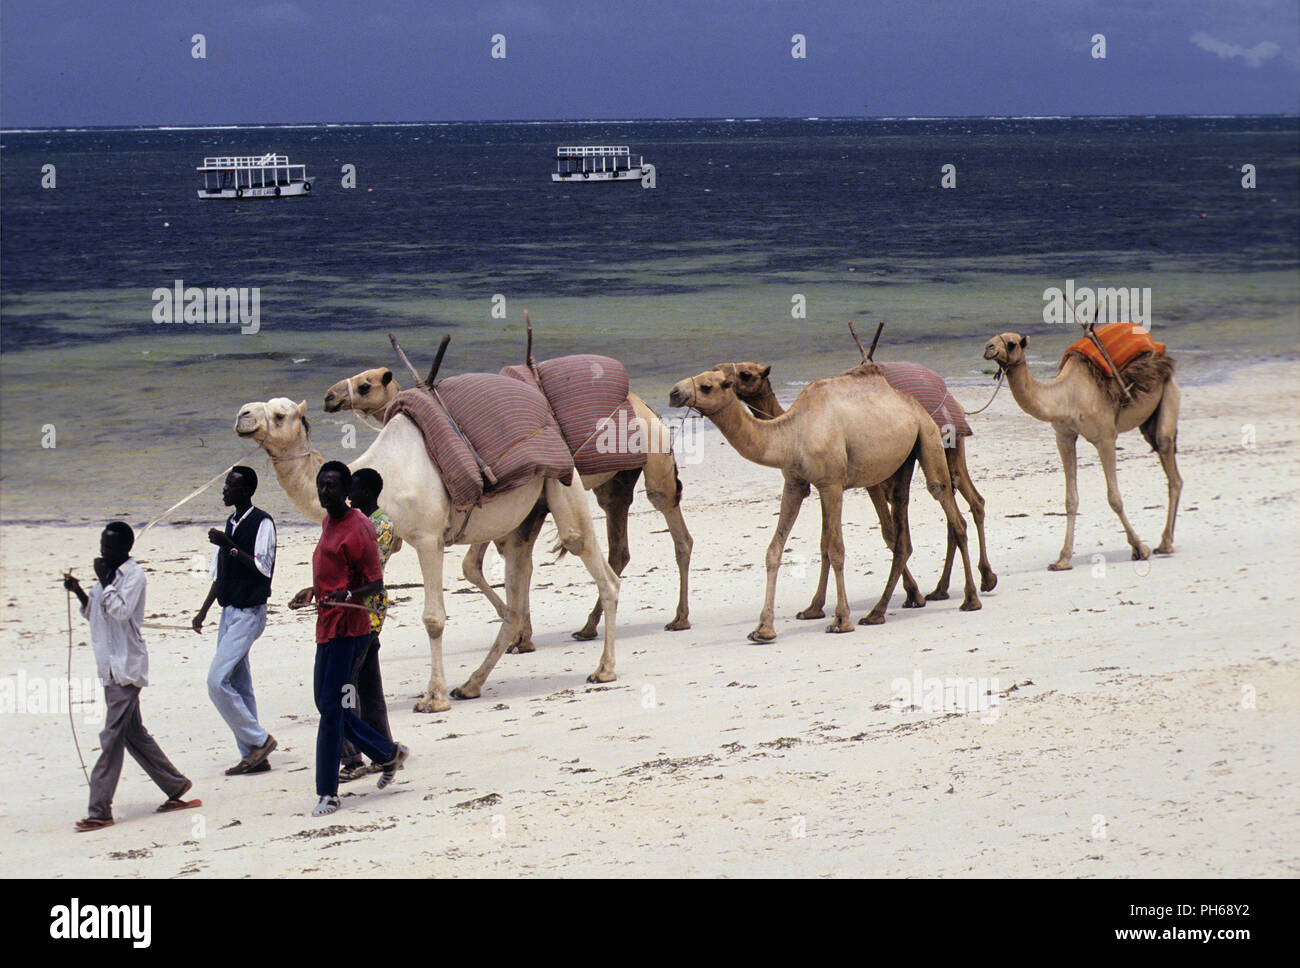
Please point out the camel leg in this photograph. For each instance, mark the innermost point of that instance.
(518, 553)
(1065, 444)
(816, 608)
(528, 531)
(472, 568)
(1106, 451)
(961, 481)
(1166, 446)
(664, 489)
(573, 520)
(934, 464)
(900, 487)
(832, 499)
(792, 497)
(614, 498)
(430, 552)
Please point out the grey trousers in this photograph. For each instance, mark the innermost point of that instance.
(124, 732)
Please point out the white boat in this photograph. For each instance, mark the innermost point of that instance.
(596, 163)
(252, 176)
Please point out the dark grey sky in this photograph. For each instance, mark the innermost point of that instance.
(65, 63)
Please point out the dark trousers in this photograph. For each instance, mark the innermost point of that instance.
(123, 733)
(332, 682)
(371, 706)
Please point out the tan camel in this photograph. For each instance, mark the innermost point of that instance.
(1081, 401)
(371, 391)
(418, 503)
(853, 430)
(754, 388)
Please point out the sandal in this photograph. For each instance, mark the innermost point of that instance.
(349, 773)
(326, 806)
(92, 823)
(392, 766)
(175, 804)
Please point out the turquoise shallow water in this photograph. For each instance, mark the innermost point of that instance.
(846, 217)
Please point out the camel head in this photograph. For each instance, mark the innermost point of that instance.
(279, 425)
(708, 393)
(750, 379)
(369, 392)
(1006, 350)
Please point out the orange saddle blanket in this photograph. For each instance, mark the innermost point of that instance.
(1125, 342)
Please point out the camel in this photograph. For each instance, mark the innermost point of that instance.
(418, 503)
(1081, 401)
(754, 388)
(853, 430)
(371, 391)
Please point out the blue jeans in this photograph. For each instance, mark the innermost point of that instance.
(336, 660)
(230, 678)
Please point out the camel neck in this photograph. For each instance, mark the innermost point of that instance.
(765, 406)
(1042, 401)
(758, 440)
(297, 476)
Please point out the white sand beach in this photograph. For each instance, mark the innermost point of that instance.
(1146, 722)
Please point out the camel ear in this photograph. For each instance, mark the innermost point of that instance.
(387, 378)
(302, 409)
(1024, 341)
(766, 370)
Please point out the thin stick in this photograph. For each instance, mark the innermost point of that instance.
(875, 339)
(854, 333)
(528, 352)
(71, 722)
(403, 357)
(437, 360)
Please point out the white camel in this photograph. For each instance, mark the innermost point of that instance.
(418, 503)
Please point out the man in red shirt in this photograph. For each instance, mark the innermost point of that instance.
(345, 568)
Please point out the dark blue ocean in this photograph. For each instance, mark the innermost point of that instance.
(747, 219)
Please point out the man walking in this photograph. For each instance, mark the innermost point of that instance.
(345, 569)
(115, 609)
(242, 565)
(367, 485)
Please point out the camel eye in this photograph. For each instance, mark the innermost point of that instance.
(363, 389)
(705, 388)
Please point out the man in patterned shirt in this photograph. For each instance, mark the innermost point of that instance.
(367, 485)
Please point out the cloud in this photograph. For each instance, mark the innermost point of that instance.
(1255, 56)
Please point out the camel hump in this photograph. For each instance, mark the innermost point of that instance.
(929, 390)
(1124, 343)
(863, 369)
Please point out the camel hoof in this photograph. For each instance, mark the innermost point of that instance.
(845, 626)
(522, 646)
(762, 635)
(811, 613)
(432, 706)
(465, 692)
(584, 634)
(1164, 548)
(1060, 566)
(988, 581)
(1141, 553)
(601, 675)
(873, 618)
(974, 605)
(918, 602)
(935, 596)
(678, 625)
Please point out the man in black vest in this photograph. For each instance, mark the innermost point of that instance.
(241, 570)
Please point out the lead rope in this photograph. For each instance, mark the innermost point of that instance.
(72, 724)
(1001, 373)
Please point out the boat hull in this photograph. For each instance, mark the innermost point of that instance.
(596, 177)
(282, 191)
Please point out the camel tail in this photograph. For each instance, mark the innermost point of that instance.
(559, 550)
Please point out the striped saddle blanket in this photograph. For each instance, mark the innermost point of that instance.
(1124, 342)
(932, 393)
(588, 396)
(507, 423)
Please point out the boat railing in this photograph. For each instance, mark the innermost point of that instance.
(588, 151)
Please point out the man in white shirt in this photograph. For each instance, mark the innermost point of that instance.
(115, 610)
(242, 566)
